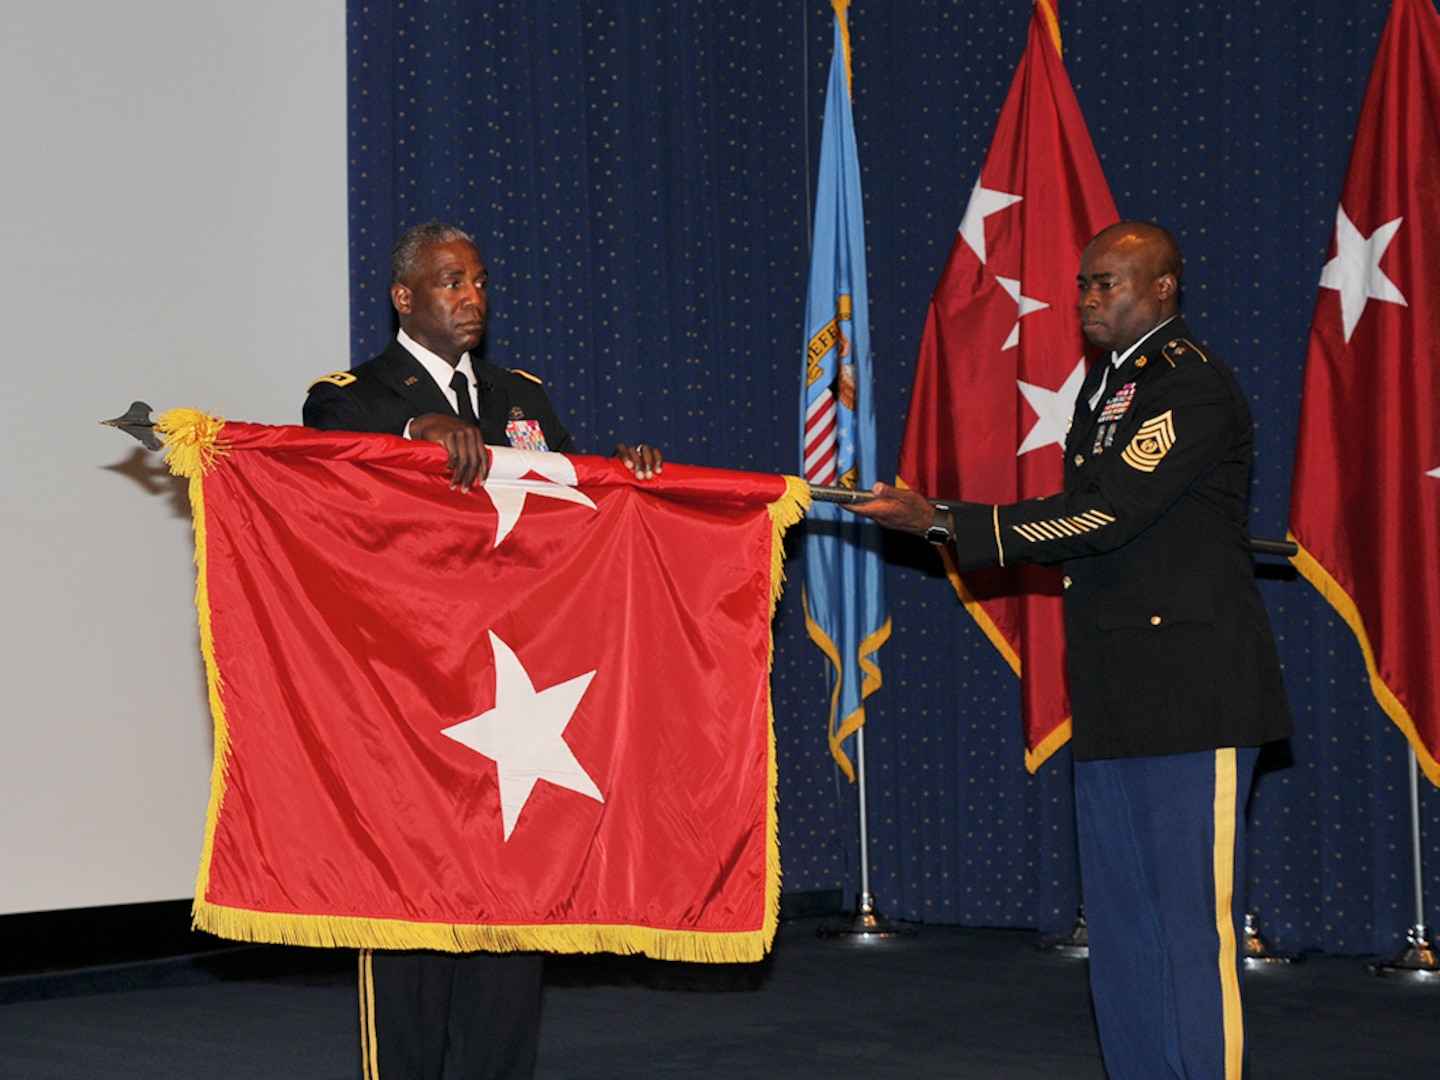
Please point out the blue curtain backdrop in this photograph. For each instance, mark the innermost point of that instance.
(638, 175)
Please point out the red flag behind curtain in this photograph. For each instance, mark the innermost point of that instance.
(1365, 506)
(1003, 355)
(534, 716)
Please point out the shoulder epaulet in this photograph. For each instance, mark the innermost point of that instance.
(335, 378)
(1183, 348)
(526, 375)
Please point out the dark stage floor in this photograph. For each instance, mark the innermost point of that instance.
(948, 1003)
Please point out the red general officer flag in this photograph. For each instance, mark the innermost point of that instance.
(534, 716)
(1003, 356)
(1365, 506)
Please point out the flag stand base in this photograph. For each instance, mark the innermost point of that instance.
(867, 927)
(1255, 950)
(1076, 943)
(1418, 963)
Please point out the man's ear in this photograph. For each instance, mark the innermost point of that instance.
(401, 297)
(1166, 287)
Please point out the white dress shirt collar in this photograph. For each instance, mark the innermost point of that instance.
(1116, 359)
(440, 369)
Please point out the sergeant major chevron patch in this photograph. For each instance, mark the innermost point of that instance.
(1151, 443)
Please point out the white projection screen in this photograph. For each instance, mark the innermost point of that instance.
(172, 228)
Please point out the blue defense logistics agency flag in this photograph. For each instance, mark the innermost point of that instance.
(844, 584)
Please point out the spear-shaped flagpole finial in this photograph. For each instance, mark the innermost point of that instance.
(137, 422)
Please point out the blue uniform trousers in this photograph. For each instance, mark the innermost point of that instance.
(1162, 862)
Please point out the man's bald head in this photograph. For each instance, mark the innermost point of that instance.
(1147, 242)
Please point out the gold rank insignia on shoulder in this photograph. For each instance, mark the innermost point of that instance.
(1184, 347)
(526, 375)
(335, 378)
(1151, 443)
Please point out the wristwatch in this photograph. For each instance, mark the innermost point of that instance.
(939, 531)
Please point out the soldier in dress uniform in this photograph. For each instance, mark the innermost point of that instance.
(1174, 678)
(433, 1015)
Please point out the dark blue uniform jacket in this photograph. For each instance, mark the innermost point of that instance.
(1170, 648)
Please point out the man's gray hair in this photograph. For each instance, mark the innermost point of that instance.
(405, 255)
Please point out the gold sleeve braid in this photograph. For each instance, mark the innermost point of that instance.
(1039, 531)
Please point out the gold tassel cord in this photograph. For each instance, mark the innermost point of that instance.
(191, 440)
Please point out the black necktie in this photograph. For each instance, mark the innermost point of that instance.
(461, 385)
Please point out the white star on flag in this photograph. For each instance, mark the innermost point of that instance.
(1355, 270)
(983, 202)
(1027, 305)
(511, 468)
(1435, 473)
(523, 733)
(1053, 409)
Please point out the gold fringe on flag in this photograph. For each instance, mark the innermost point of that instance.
(1061, 735)
(348, 932)
(784, 512)
(1334, 593)
(1051, 16)
(870, 682)
(192, 447)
